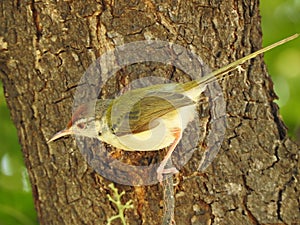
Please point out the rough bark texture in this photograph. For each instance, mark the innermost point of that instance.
(47, 45)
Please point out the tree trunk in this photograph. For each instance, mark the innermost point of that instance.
(47, 46)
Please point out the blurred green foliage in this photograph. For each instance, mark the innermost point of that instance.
(280, 18)
(16, 203)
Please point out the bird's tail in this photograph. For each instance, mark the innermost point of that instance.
(219, 73)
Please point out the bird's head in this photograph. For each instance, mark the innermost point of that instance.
(82, 123)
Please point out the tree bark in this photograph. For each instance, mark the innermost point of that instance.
(46, 46)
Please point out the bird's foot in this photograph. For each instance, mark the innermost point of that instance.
(161, 170)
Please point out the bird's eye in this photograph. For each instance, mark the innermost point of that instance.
(99, 133)
(80, 125)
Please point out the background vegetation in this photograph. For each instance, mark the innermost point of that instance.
(280, 18)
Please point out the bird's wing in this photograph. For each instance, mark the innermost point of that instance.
(136, 117)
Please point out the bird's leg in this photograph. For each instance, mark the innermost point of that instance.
(161, 169)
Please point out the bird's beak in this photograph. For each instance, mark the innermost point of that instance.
(60, 134)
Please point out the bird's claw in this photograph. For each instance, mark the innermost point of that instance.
(161, 170)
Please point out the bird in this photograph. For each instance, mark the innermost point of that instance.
(148, 118)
